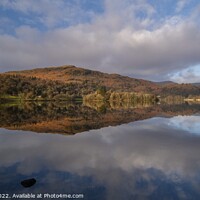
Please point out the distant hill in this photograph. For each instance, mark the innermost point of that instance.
(165, 83)
(172, 83)
(196, 84)
(72, 74)
(70, 81)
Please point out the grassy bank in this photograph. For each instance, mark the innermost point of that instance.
(9, 98)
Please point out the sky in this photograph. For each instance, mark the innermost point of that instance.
(156, 40)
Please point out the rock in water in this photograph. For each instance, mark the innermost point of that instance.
(28, 182)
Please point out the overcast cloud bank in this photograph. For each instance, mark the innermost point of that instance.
(130, 37)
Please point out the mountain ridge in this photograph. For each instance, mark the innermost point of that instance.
(71, 70)
(85, 81)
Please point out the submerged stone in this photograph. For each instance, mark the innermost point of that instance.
(28, 182)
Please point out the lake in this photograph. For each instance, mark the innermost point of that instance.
(100, 152)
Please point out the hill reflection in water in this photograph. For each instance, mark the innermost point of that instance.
(149, 159)
(72, 118)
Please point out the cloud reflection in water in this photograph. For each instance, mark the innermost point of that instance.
(139, 159)
(187, 123)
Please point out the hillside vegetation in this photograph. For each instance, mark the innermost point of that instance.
(131, 97)
(70, 82)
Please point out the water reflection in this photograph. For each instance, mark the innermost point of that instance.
(187, 123)
(65, 118)
(149, 159)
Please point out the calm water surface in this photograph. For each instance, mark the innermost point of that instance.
(110, 158)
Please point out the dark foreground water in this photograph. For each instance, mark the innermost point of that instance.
(153, 158)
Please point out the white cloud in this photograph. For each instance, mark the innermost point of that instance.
(137, 14)
(48, 12)
(181, 4)
(5, 22)
(124, 39)
(188, 75)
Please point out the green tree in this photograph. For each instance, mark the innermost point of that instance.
(101, 90)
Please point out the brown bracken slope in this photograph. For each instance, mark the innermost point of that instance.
(72, 74)
(80, 76)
